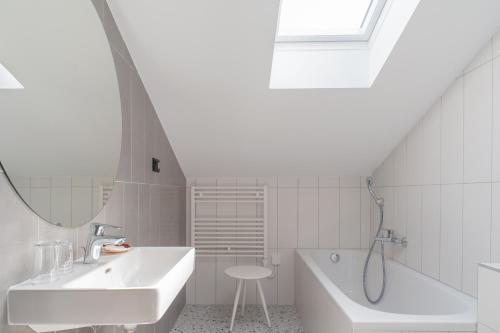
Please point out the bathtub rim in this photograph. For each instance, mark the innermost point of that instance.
(364, 318)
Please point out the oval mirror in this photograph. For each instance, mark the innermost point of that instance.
(60, 130)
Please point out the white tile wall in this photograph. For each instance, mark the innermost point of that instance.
(432, 145)
(446, 195)
(488, 298)
(452, 134)
(329, 217)
(477, 231)
(451, 235)
(431, 229)
(495, 222)
(414, 228)
(350, 217)
(478, 124)
(308, 217)
(303, 212)
(64, 199)
(496, 120)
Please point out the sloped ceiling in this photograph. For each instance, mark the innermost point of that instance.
(206, 66)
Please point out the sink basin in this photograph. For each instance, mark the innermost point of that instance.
(135, 287)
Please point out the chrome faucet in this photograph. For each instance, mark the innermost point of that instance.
(387, 236)
(97, 239)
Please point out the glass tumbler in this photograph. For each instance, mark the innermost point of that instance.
(46, 265)
(65, 256)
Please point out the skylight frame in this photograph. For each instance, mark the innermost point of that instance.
(363, 34)
(7, 80)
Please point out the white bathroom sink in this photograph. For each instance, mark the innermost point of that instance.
(132, 288)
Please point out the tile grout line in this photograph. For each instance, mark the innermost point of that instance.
(463, 185)
(491, 151)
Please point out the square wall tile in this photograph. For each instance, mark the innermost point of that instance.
(350, 181)
(61, 205)
(415, 155)
(125, 164)
(308, 217)
(432, 144)
(288, 182)
(114, 207)
(350, 217)
(60, 181)
(286, 278)
(144, 230)
(131, 213)
(365, 218)
(40, 201)
(414, 228)
(205, 280)
(477, 227)
(495, 223)
(138, 112)
(452, 136)
(270, 286)
(388, 171)
(496, 120)
(451, 235)
(272, 217)
(287, 217)
(431, 229)
(226, 286)
(81, 205)
(81, 181)
(400, 165)
(308, 182)
(329, 217)
(40, 182)
(268, 181)
(478, 124)
(330, 181)
(400, 220)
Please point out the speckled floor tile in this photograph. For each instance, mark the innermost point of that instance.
(216, 319)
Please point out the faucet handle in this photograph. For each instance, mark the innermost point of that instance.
(97, 229)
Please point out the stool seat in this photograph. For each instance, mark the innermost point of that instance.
(248, 272)
(242, 274)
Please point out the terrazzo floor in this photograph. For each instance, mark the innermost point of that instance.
(216, 319)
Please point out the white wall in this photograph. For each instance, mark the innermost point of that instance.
(441, 183)
(304, 212)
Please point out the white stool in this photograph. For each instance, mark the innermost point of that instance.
(244, 273)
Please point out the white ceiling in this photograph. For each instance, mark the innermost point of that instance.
(206, 66)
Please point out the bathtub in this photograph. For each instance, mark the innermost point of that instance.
(329, 297)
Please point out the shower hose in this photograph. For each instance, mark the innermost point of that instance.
(367, 261)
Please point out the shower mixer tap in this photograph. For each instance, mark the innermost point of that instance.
(387, 236)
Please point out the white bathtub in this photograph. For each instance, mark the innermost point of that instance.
(329, 297)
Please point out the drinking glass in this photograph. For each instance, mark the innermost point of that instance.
(65, 256)
(46, 262)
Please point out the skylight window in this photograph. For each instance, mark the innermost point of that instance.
(327, 20)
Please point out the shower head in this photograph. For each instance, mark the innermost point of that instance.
(378, 200)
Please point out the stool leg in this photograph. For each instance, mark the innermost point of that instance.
(263, 302)
(244, 297)
(235, 304)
